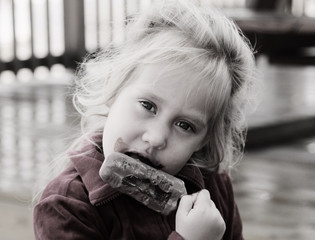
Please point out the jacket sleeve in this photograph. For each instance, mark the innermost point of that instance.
(59, 217)
(234, 226)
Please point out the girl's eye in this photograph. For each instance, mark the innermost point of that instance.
(148, 106)
(185, 126)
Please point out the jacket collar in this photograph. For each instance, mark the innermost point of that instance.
(88, 161)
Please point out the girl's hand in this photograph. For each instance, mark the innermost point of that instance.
(197, 218)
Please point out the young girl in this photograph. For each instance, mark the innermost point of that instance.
(174, 92)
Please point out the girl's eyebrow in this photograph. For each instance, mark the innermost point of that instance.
(196, 116)
(152, 96)
(198, 120)
(155, 98)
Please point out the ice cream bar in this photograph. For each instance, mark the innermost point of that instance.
(154, 188)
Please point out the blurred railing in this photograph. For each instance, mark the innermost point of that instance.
(35, 33)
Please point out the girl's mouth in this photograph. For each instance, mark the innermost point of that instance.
(121, 146)
(143, 159)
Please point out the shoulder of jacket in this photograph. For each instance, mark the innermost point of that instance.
(67, 184)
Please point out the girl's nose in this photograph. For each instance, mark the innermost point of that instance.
(156, 137)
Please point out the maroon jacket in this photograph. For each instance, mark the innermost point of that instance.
(79, 205)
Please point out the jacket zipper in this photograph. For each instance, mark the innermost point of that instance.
(107, 200)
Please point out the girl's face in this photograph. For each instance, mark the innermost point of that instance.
(157, 119)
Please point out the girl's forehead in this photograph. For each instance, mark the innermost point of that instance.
(210, 90)
(167, 75)
(184, 81)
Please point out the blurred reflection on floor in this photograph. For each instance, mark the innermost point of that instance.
(35, 125)
(275, 192)
(273, 186)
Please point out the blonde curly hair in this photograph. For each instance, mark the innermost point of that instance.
(180, 33)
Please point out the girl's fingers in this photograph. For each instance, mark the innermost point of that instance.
(203, 199)
(186, 204)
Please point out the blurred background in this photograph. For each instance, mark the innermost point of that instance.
(41, 43)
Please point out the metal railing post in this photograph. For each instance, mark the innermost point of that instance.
(74, 32)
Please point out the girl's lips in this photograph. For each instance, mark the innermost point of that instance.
(144, 159)
(122, 147)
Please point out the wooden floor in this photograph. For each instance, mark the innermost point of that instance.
(273, 185)
(275, 192)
